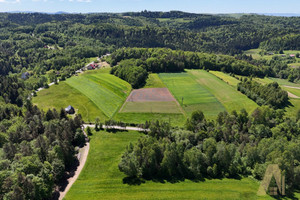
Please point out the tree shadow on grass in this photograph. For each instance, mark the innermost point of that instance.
(289, 194)
(115, 130)
(133, 181)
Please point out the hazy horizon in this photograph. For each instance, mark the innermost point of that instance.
(120, 6)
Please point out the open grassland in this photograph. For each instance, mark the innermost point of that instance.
(101, 178)
(62, 95)
(154, 81)
(151, 107)
(191, 95)
(292, 110)
(93, 93)
(285, 82)
(292, 90)
(106, 91)
(175, 119)
(225, 77)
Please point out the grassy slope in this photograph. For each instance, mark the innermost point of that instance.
(154, 81)
(62, 95)
(226, 94)
(101, 178)
(225, 77)
(93, 93)
(104, 90)
(195, 96)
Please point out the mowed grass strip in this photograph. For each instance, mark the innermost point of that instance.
(230, 98)
(140, 118)
(101, 178)
(104, 97)
(226, 78)
(62, 95)
(151, 107)
(190, 93)
(154, 81)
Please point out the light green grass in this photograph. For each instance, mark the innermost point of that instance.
(101, 178)
(141, 118)
(285, 82)
(93, 93)
(106, 91)
(263, 80)
(292, 90)
(184, 87)
(154, 81)
(63, 95)
(255, 54)
(292, 110)
(226, 78)
(151, 107)
(230, 98)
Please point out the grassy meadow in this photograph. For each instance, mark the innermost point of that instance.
(227, 95)
(154, 81)
(62, 95)
(101, 178)
(191, 95)
(226, 78)
(105, 94)
(151, 107)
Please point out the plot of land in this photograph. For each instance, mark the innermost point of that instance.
(226, 78)
(230, 98)
(151, 104)
(191, 95)
(154, 81)
(150, 94)
(101, 178)
(151, 107)
(105, 94)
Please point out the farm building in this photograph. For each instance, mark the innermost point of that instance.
(92, 66)
(292, 55)
(70, 110)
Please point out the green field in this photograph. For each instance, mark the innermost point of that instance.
(230, 98)
(191, 95)
(62, 95)
(151, 107)
(104, 92)
(154, 81)
(225, 77)
(175, 119)
(101, 178)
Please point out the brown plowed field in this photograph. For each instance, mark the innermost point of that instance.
(150, 94)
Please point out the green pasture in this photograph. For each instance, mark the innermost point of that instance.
(226, 78)
(175, 119)
(230, 98)
(191, 95)
(151, 107)
(292, 90)
(63, 95)
(93, 93)
(102, 89)
(154, 81)
(101, 178)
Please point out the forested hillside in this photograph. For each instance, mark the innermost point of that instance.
(38, 147)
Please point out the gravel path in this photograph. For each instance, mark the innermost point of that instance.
(83, 154)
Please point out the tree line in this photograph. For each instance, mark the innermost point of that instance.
(234, 145)
(270, 94)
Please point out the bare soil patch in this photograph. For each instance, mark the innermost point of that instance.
(150, 95)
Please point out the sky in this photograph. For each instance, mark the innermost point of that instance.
(194, 6)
